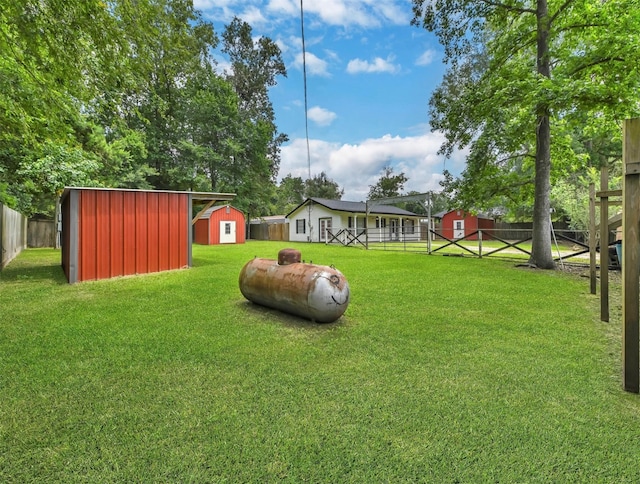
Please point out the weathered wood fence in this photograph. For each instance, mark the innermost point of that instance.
(266, 231)
(13, 234)
(41, 233)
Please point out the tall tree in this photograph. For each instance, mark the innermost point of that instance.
(172, 46)
(289, 194)
(322, 186)
(520, 70)
(255, 66)
(388, 185)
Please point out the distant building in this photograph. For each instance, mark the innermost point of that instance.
(458, 224)
(221, 224)
(322, 220)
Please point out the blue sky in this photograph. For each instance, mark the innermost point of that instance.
(369, 78)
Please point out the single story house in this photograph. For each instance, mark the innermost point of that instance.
(220, 224)
(325, 220)
(458, 224)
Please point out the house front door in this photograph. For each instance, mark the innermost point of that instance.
(227, 232)
(393, 228)
(325, 226)
(458, 229)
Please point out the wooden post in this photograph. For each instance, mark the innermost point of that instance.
(631, 255)
(480, 244)
(604, 244)
(592, 237)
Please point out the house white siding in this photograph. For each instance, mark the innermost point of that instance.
(314, 221)
(311, 215)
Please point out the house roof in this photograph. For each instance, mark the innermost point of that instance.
(268, 219)
(355, 207)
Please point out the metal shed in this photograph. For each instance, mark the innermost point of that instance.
(222, 224)
(118, 232)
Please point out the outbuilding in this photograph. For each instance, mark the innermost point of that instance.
(458, 224)
(118, 232)
(222, 224)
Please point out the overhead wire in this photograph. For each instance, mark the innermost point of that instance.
(306, 109)
(304, 77)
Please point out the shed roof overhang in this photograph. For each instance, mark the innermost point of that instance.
(206, 198)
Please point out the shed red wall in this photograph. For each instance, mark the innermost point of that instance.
(201, 231)
(126, 232)
(471, 224)
(207, 230)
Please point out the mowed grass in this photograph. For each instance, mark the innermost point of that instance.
(441, 370)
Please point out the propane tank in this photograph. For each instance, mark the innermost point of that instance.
(316, 292)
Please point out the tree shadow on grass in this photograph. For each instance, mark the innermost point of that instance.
(18, 271)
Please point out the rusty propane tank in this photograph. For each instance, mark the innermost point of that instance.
(319, 293)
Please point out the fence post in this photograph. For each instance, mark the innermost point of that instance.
(480, 244)
(592, 237)
(604, 244)
(631, 255)
(2, 249)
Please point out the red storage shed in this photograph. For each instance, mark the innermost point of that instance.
(117, 232)
(222, 224)
(458, 224)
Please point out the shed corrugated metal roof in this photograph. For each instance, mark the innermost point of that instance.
(207, 213)
(355, 207)
(194, 195)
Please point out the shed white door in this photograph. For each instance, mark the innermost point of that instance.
(458, 229)
(227, 232)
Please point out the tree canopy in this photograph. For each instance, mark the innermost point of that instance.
(388, 185)
(532, 89)
(123, 94)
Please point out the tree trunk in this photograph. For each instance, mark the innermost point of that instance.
(541, 254)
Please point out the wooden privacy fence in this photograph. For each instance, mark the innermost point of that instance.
(266, 231)
(41, 233)
(13, 234)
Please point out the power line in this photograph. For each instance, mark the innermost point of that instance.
(304, 76)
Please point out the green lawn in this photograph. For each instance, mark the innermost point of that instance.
(441, 370)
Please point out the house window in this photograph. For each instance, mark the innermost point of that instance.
(409, 227)
(227, 228)
(300, 226)
(350, 222)
(377, 222)
(383, 223)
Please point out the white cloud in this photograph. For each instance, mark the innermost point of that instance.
(364, 13)
(315, 65)
(356, 66)
(340, 13)
(253, 16)
(321, 116)
(287, 7)
(357, 166)
(426, 58)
